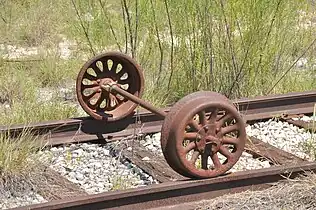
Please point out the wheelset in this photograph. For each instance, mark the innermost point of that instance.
(203, 134)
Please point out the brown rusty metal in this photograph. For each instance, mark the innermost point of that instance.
(169, 155)
(174, 193)
(191, 146)
(248, 107)
(116, 89)
(264, 107)
(111, 67)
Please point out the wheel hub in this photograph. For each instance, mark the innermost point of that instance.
(209, 135)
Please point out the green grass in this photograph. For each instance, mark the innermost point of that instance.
(240, 48)
(18, 162)
(310, 145)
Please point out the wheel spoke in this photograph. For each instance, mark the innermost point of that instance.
(229, 128)
(216, 162)
(113, 98)
(89, 96)
(202, 117)
(204, 158)
(96, 69)
(223, 119)
(99, 101)
(189, 147)
(213, 116)
(105, 66)
(211, 138)
(89, 86)
(121, 73)
(224, 151)
(128, 80)
(193, 124)
(114, 66)
(195, 156)
(107, 101)
(191, 136)
(89, 77)
(230, 140)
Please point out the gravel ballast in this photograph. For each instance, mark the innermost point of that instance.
(22, 200)
(245, 162)
(305, 118)
(96, 168)
(99, 168)
(282, 135)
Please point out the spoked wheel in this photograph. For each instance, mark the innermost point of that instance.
(206, 136)
(113, 68)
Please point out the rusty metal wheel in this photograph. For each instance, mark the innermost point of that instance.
(206, 136)
(111, 67)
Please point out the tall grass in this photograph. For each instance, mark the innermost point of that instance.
(17, 162)
(237, 47)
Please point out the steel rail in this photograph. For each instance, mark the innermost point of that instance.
(86, 128)
(173, 193)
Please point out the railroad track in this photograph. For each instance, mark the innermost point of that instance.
(88, 129)
(198, 127)
(174, 188)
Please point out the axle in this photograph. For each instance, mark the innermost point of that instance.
(113, 87)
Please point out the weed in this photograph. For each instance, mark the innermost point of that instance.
(310, 146)
(17, 161)
(183, 46)
(120, 182)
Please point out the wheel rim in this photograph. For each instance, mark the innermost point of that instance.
(207, 146)
(168, 145)
(115, 68)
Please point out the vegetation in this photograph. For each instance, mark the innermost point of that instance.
(239, 48)
(310, 146)
(17, 162)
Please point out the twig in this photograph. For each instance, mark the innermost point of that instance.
(287, 71)
(129, 24)
(21, 61)
(125, 29)
(83, 27)
(111, 26)
(268, 34)
(159, 42)
(172, 43)
(136, 26)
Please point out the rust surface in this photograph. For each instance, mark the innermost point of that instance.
(253, 109)
(138, 101)
(193, 140)
(111, 67)
(173, 193)
(264, 107)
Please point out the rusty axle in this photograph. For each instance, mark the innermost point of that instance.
(113, 87)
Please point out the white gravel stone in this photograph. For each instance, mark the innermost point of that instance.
(279, 134)
(23, 200)
(305, 118)
(95, 169)
(245, 162)
(282, 135)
